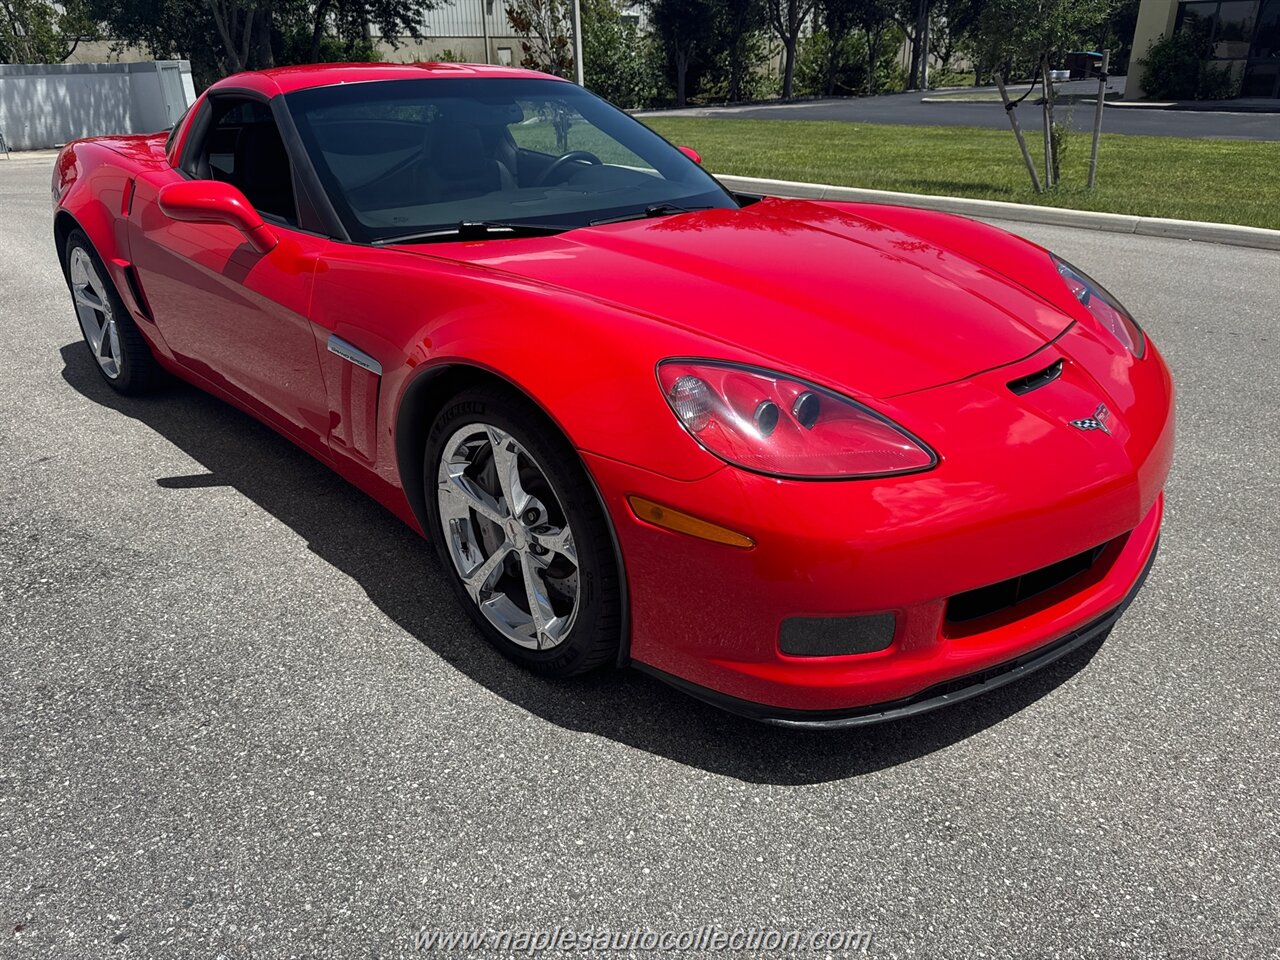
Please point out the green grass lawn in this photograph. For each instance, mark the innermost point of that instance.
(1227, 181)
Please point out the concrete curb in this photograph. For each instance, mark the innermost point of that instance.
(1071, 99)
(1028, 213)
(28, 155)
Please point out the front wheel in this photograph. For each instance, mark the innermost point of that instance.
(516, 521)
(121, 354)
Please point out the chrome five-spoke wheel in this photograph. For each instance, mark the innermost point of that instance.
(508, 536)
(95, 312)
(120, 351)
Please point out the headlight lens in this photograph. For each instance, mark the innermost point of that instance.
(777, 425)
(1105, 308)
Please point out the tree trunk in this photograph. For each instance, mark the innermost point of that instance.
(735, 70)
(318, 22)
(923, 31)
(225, 21)
(789, 66)
(266, 58)
(917, 44)
(873, 47)
(682, 68)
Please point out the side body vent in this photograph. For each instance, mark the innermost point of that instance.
(135, 291)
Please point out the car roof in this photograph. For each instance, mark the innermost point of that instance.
(288, 79)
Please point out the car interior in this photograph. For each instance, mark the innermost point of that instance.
(398, 165)
(402, 165)
(244, 148)
(463, 160)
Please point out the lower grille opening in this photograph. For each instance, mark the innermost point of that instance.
(985, 601)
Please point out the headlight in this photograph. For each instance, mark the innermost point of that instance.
(777, 425)
(1105, 308)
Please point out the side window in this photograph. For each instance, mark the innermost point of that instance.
(244, 148)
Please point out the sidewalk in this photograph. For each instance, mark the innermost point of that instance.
(1086, 91)
(1066, 91)
(1239, 105)
(16, 156)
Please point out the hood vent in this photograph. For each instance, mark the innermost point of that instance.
(1034, 381)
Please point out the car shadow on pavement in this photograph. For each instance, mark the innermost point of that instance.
(402, 577)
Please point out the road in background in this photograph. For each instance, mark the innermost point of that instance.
(242, 713)
(908, 108)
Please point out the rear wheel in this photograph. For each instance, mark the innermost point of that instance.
(516, 521)
(114, 341)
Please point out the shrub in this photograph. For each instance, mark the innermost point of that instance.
(1177, 69)
(1217, 83)
(847, 65)
(1173, 67)
(620, 63)
(754, 81)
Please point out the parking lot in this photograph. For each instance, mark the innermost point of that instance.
(242, 714)
(936, 110)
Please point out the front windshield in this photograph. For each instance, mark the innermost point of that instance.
(405, 157)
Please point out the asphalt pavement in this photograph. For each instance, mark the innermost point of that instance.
(242, 715)
(909, 108)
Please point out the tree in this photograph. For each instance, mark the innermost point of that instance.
(1119, 35)
(874, 18)
(617, 62)
(35, 31)
(546, 34)
(617, 59)
(225, 36)
(1010, 32)
(949, 24)
(738, 23)
(838, 18)
(912, 17)
(854, 52)
(686, 30)
(786, 18)
(242, 32)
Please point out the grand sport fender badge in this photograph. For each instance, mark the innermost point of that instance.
(353, 354)
(1098, 421)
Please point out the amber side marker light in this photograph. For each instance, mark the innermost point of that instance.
(669, 519)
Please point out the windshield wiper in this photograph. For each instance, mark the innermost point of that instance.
(657, 210)
(477, 230)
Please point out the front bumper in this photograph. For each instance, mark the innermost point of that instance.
(940, 695)
(1017, 490)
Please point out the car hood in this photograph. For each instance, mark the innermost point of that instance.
(819, 292)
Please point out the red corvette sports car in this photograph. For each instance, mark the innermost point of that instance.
(819, 463)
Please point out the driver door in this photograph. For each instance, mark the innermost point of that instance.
(235, 317)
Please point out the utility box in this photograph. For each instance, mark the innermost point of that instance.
(44, 105)
(1082, 65)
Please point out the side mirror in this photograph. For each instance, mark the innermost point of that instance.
(212, 201)
(692, 154)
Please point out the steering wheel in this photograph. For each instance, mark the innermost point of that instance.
(573, 156)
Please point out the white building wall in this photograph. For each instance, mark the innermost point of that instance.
(462, 27)
(44, 105)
